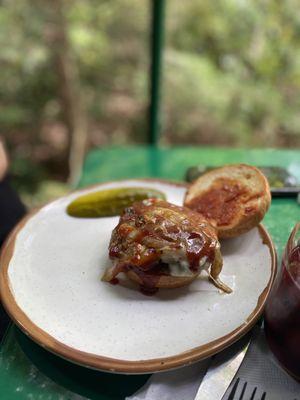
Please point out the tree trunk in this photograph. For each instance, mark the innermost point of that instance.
(70, 92)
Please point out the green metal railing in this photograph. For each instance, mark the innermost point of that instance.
(157, 39)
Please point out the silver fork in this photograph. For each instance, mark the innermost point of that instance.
(251, 396)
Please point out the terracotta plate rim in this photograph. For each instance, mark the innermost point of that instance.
(111, 364)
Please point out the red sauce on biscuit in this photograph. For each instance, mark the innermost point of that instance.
(220, 203)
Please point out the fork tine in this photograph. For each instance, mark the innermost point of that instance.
(243, 391)
(233, 390)
(263, 396)
(253, 394)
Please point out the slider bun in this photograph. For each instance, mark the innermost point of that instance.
(250, 198)
(165, 281)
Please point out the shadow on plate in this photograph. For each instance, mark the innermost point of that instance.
(83, 381)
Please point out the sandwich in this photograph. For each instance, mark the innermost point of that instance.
(161, 245)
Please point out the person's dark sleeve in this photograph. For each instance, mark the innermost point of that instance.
(11, 211)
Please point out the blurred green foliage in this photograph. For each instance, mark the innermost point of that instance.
(231, 77)
(235, 65)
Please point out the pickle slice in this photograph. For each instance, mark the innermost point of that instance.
(110, 202)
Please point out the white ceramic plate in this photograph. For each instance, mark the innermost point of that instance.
(50, 284)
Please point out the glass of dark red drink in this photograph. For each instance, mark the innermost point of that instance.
(282, 315)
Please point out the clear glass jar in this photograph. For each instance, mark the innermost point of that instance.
(282, 314)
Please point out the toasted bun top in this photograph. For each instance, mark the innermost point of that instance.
(234, 198)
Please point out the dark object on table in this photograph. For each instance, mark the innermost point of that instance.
(281, 182)
(249, 393)
(11, 211)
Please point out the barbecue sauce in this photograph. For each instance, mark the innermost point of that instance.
(148, 228)
(220, 203)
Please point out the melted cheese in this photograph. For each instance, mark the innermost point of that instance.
(178, 263)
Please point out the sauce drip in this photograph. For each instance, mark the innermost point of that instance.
(114, 281)
(147, 291)
(150, 277)
(195, 246)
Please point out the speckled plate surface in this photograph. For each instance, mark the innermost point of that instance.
(50, 284)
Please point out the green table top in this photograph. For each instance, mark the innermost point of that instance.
(28, 371)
